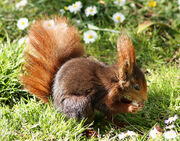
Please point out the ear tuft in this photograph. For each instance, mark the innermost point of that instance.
(127, 58)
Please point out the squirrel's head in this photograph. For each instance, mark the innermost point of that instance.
(131, 80)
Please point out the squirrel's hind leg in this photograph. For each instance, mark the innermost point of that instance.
(78, 107)
(109, 114)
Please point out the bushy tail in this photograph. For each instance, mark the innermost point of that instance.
(51, 43)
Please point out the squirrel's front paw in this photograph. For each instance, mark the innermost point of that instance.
(133, 109)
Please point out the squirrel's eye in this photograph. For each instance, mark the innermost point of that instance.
(137, 87)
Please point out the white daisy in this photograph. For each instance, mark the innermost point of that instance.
(91, 10)
(74, 8)
(118, 17)
(170, 126)
(22, 23)
(179, 2)
(154, 133)
(22, 3)
(171, 119)
(62, 11)
(120, 2)
(48, 24)
(23, 40)
(90, 36)
(122, 136)
(130, 133)
(170, 134)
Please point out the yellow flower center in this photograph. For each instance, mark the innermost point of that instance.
(65, 8)
(152, 3)
(90, 10)
(22, 23)
(48, 24)
(118, 18)
(119, 0)
(90, 36)
(75, 6)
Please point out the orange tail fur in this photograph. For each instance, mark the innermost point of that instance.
(51, 43)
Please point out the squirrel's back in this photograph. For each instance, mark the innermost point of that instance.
(51, 44)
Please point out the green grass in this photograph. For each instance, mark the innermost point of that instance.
(11, 58)
(22, 117)
(36, 121)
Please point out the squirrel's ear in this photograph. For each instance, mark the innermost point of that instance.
(127, 58)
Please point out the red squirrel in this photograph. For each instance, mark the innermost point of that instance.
(56, 67)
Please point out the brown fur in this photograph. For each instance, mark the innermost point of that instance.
(127, 57)
(48, 50)
(78, 86)
(128, 75)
